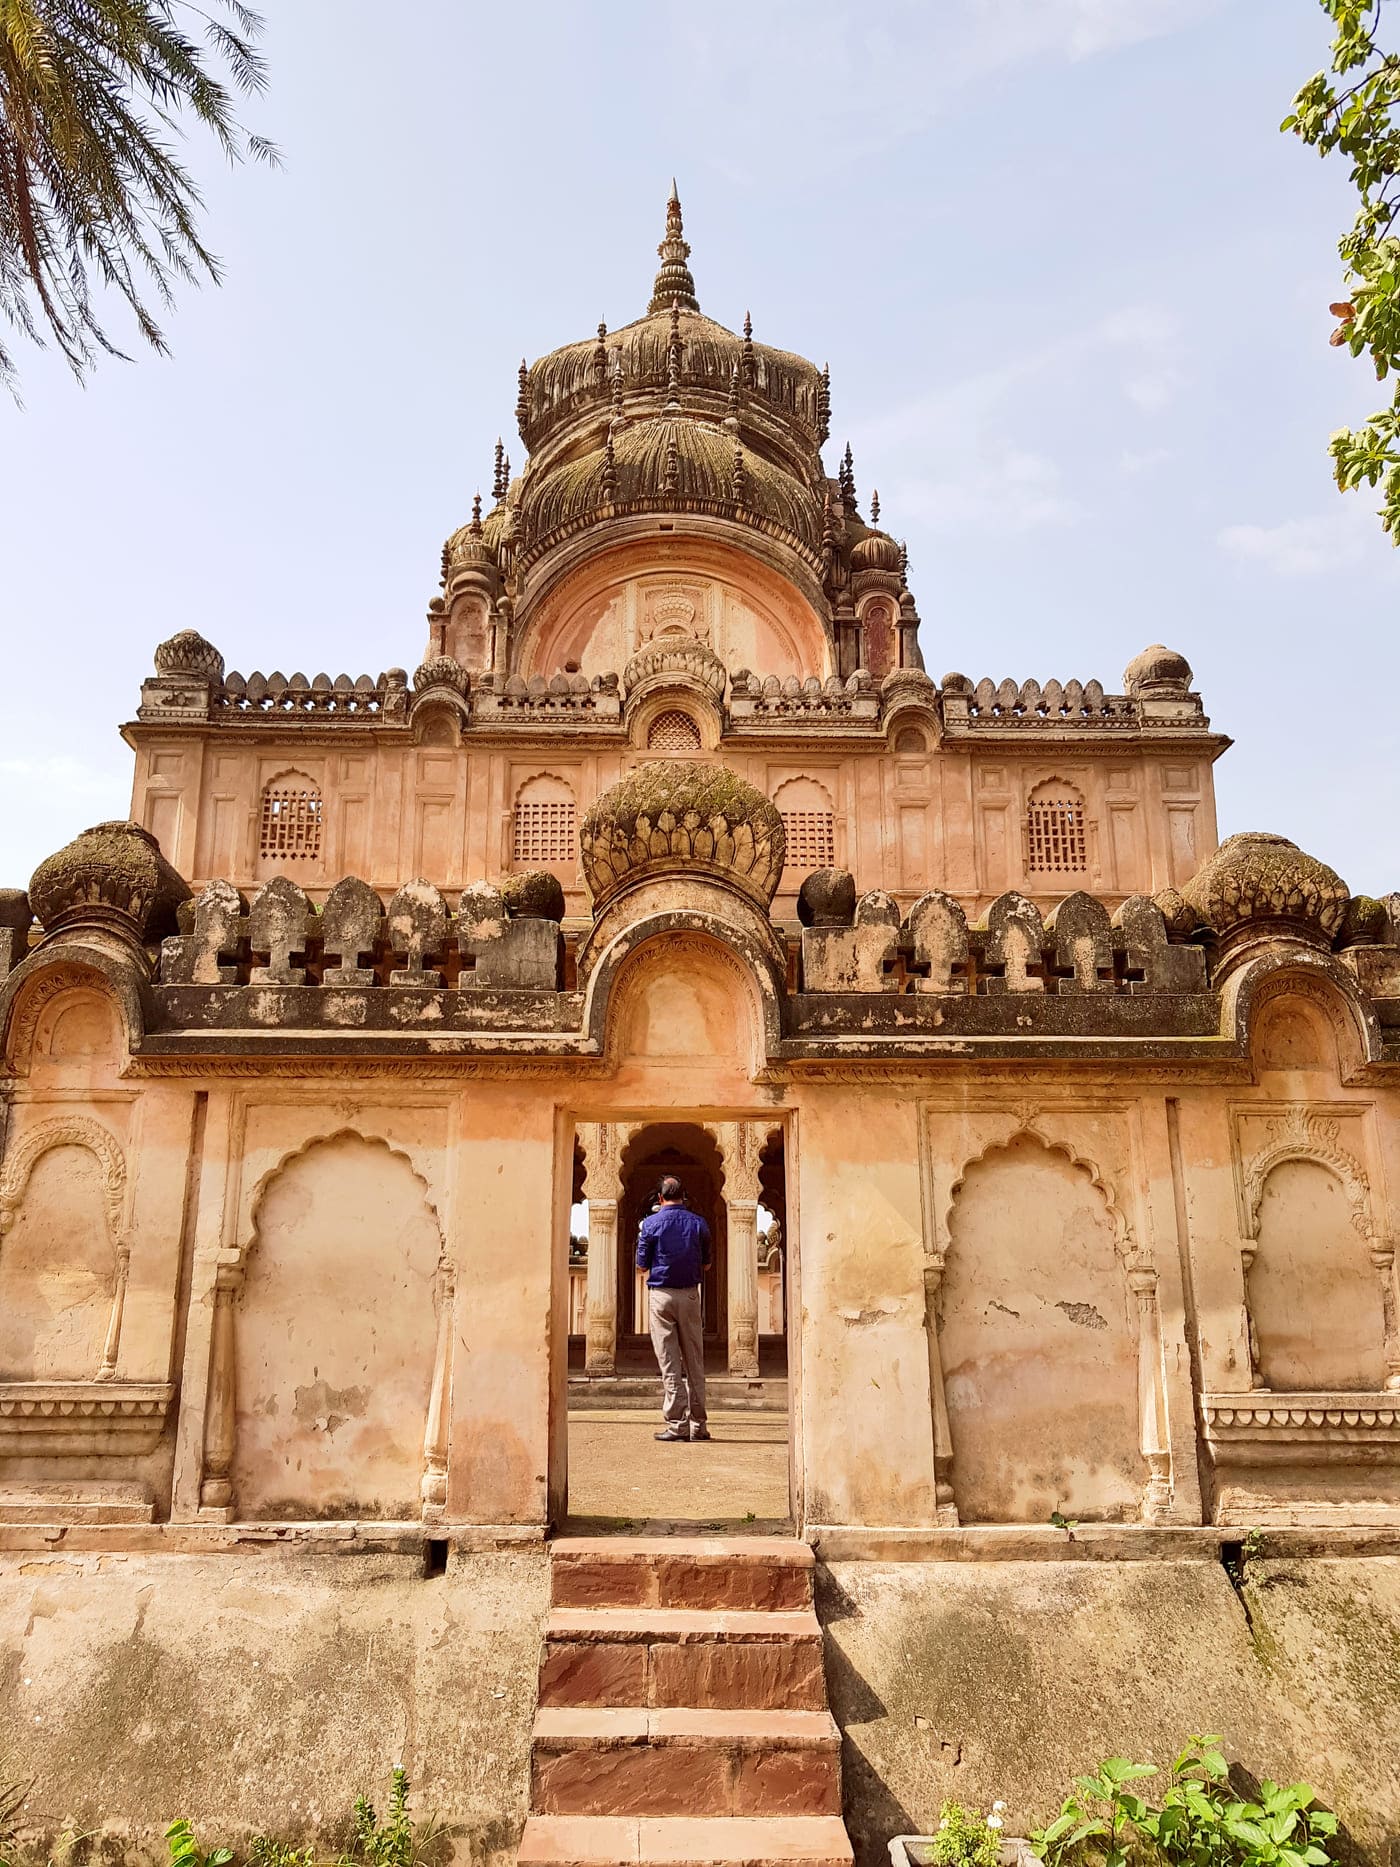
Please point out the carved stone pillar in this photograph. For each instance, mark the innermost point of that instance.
(945, 1509)
(435, 1433)
(1152, 1404)
(111, 1348)
(1248, 1250)
(602, 1145)
(1383, 1258)
(600, 1353)
(216, 1484)
(740, 1143)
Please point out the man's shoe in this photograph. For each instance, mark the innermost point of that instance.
(699, 1432)
(670, 1438)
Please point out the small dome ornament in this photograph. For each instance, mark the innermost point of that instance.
(114, 879)
(678, 816)
(1260, 886)
(877, 551)
(1158, 673)
(441, 671)
(189, 653)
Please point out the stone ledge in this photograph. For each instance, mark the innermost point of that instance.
(1094, 1542)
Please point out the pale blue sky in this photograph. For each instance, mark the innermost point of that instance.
(1071, 282)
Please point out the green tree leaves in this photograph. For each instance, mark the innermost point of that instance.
(93, 94)
(1351, 111)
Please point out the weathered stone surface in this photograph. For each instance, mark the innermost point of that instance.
(417, 930)
(935, 931)
(273, 1686)
(1109, 1659)
(351, 926)
(827, 898)
(533, 894)
(686, 816)
(1164, 967)
(504, 948)
(857, 958)
(1015, 937)
(112, 877)
(277, 926)
(1256, 882)
(16, 918)
(1083, 944)
(198, 957)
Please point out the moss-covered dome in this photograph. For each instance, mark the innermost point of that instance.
(112, 877)
(679, 816)
(1258, 882)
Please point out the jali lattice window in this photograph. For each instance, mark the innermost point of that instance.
(545, 831)
(673, 732)
(1056, 843)
(291, 821)
(811, 840)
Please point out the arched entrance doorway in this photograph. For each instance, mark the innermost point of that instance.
(734, 1175)
(692, 1154)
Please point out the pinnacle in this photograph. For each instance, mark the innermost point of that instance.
(674, 283)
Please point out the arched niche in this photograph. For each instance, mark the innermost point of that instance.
(335, 1337)
(612, 603)
(62, 1248)
(1316, 1296)
(684, 1002)
(1038, 1341)
(36, 999)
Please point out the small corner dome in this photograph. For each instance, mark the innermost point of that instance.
(1157, 669)
(113, 876)
(189, 653)
(877, 551)
(676, 815)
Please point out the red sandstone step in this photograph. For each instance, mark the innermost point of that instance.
(731, 1659)
(680, 1762)
(684, 1841)
(734, 1572)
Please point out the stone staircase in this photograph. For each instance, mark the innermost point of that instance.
(682, 1710)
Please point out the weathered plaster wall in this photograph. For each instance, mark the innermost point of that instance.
(265, 1690)
(974, 1681)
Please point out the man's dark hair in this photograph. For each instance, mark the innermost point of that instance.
(671, 1188)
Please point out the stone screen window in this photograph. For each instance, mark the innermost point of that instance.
(545, 831)
(1056, 843)
(290, 829)
(811, 841)
(673, 731)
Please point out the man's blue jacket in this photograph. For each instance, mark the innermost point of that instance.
(673, 1247)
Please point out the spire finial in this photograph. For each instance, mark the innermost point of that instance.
(600, 355)
(671, 475)
(498, 474)
(731, 411)
(824, 406)
(609, 472)
(875, 507)
(738, 478)
(619, 419)
(847, 479)
(746, 353)
(476, 515)
(522, 399)
(673, 281)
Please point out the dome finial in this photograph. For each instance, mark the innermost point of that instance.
(875, 507)
(476, 515)
(673, 360)
(498, 474)
(824, 406)
(619, 418)
(673, 281)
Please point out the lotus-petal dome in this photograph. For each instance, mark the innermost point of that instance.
(113, 877)
(1257, 881)
(1157, 670)
(189, 653)
(440, 671)
(681, 816)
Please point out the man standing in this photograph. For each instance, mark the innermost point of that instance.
(673, 1248)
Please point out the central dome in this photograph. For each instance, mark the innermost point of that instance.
(676, 815)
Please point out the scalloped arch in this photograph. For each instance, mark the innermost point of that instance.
(1123, 1239)
(65, 1131)
(1302, 1134)
(289, 1159)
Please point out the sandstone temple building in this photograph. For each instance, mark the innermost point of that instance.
(1050, 1144)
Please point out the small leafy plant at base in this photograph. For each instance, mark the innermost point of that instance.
(1200, 1822)
(264, 1852)
(967, 1839)
(185, 1850)
(395, 1841)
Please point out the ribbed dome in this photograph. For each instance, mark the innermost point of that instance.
(710, 354)
(669, 459)
(1261, 880)
(877, 551)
